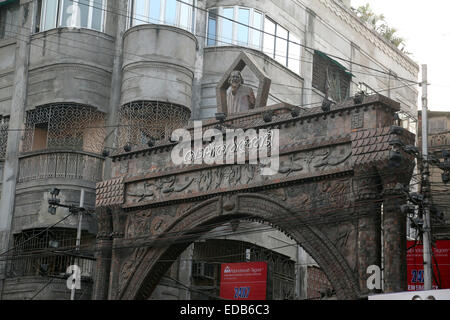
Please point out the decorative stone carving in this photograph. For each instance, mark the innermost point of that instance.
(229, 177)
(129, 267)
(240, 98)
(242, 61)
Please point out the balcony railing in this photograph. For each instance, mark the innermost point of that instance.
(60, 164)
(35, 264)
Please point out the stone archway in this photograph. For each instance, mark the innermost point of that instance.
(208, 214)
(345, 159)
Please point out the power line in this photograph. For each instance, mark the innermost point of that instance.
(133, 54)
(306, 223)
(256, 29)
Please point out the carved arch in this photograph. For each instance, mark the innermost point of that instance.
(205, 216)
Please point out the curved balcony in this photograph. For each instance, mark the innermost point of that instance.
(158, 57)
(63, 164)
(63, 59)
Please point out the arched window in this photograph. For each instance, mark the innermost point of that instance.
(171, 12)
(72, 13)
(248, 27)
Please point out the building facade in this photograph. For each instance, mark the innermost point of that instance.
(438, 143)
(84, 79)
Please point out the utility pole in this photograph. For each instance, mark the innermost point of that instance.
(80, 219)
(427, 266)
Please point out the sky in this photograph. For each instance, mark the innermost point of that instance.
(425, 26)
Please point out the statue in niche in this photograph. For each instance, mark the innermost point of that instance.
(240, 98)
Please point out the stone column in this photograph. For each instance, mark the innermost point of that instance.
(368, 209)
(118, 222)
(116, 82)
(394, 241)
(369, 241)
(308, 55)
(200, 31)
(27, 14)
(103, 255)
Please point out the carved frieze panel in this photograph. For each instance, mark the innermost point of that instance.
(237, 177)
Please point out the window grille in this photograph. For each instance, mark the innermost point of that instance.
(144, 120)
(4, 126)
(64, 127)
(35, 254)
(329, 75)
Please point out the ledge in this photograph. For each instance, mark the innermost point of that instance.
(50, 151)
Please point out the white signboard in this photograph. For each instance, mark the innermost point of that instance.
(414, 295)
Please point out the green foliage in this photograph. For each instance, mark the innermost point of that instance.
(379, 24)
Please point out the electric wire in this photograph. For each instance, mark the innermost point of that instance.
(250, 27)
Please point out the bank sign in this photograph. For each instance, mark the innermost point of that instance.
(243, 281)
(441, 265)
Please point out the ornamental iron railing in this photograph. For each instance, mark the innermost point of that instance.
(142, 121)
(64, 126)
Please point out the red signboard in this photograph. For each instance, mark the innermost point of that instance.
(243, 281)
(441, 265)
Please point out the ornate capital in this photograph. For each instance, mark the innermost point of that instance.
(104, 220)
(119, 218)
(366, 184)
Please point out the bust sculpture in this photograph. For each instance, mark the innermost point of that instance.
(240, 98)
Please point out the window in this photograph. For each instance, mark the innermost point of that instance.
(64, 127)
(34, 253)
(269, 37)
(249, 28)
(72, 13)
(170, 12)
(212, 28)
(9, 20)
(329, 75)
(40, 136)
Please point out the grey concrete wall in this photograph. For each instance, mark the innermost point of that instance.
(158, 64)
(31, 205)
(7, 63)
(70, 65)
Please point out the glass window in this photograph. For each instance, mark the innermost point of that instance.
(140, 15)
(294, 53)
(49, 13)
(256, 35)
(212, 28)
(72, 13)
(250, 28)
(269, 38)
(68, 13)
(155, 11)
(171, 12)
(227, 27)
(186, 15)
(97, 15)
(83, 9)
(281, 45)
(242, 26)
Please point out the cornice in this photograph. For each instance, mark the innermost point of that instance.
(371, 35)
